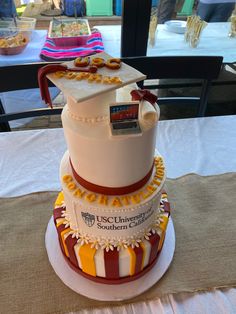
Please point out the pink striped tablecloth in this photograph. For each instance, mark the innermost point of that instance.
(51, 52)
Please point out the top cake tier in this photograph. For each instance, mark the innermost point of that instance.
(104, 152)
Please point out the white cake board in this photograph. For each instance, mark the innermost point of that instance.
(105, 292)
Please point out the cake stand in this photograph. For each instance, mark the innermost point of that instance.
(100, 291)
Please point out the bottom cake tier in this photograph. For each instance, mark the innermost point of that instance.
(112, 265)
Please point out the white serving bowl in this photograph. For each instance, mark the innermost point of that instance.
(176, 26)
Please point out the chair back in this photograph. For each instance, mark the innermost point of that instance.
(203, 68)
(22, 76)
(179, 67)
(19, 77)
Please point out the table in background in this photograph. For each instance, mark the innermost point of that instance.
(24, 100)
(214, 41)
(31, 52)
(206, 146)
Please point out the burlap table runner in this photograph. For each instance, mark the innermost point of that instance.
(204, 215)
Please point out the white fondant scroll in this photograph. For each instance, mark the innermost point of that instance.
(149, 113)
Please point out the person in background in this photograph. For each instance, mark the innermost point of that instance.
(167, 10)
(215, 10)
(7, 8)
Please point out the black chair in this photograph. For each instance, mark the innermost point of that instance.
(19, 77)
(206, 69)
(202, 68)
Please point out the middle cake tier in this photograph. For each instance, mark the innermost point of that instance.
(99, 217)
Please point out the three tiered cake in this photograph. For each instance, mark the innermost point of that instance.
(112, 214)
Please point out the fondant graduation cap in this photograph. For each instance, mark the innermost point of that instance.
(81, 90)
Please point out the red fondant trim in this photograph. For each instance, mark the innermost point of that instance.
(154, 241)
(143, 94)
(59, 230)
(111, 260)
(108, 190)
(167, 207)
(110, 281)
(57, 213)
(117, 281)
(70, 243)
(139, 257)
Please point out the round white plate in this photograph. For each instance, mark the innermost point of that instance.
(104, 292)
(176, 26)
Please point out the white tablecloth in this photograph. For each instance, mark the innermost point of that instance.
(31, 52)
(23, 100)
(29, 162)
(214, 42)
(30, 99)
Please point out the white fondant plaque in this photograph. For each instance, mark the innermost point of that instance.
(116, 223)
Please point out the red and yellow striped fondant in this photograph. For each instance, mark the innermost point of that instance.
(112, 264)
